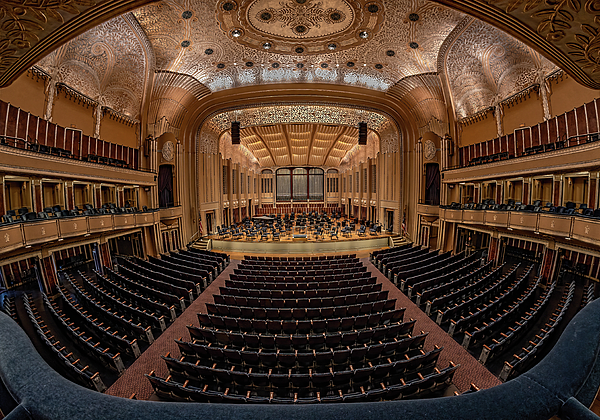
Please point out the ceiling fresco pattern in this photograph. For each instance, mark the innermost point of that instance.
(485, 66)
(109, 64)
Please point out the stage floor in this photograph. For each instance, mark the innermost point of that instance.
(310, 245)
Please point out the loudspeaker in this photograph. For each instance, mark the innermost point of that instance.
(235, 132)
(362, 133)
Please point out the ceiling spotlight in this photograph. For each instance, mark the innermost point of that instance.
(332, 47)
(267, 45)
(236, 33)
(363, 34)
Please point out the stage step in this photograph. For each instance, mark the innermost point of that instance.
(398, 240)
(202, 243)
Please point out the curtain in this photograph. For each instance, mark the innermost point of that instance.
(165, 186)
(432, 184)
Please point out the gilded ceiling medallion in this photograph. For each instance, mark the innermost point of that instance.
(316, 24)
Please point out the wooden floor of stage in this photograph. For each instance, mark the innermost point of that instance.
(310, 238)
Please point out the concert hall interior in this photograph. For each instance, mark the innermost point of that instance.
(265, 208)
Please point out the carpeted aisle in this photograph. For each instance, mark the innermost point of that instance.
(470, 371)
(133, 380)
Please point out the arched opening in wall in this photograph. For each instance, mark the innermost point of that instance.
(165, 186)
(432, 184)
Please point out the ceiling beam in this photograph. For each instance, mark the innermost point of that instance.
(253, 129)
(289, 143)
(313, 131)
(344, 131)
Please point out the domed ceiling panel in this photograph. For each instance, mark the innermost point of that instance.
(226, 43)
(109, 64)
(485, 66)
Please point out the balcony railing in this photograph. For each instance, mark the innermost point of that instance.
(20, 234)
(564, 383)
(567, 226)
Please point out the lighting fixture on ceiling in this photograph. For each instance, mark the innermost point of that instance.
(236, 33)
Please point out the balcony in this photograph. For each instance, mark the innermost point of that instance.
(22, 234)
(582, 228)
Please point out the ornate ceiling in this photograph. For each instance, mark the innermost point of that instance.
(484, 66)
(298, 145)
(362, 48)
(566, 32)
(109, 63)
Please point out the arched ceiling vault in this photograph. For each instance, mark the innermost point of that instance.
(567, 37)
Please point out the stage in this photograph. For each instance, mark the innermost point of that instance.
(309, 245)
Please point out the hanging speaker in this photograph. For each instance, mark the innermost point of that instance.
(235, 132)
(362, 133)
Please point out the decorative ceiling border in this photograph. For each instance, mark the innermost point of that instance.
(564, 32)
(47, 26)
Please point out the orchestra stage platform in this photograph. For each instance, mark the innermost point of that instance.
(301, 245)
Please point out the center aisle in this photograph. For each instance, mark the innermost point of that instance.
(470, 371)
(133, 380)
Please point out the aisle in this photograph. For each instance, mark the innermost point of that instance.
(133, 380)
(470, 371)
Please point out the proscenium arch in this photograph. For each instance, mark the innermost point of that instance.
(519, 21)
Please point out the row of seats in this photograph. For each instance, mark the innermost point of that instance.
(570, 208)
(418, 386)
(129, 307)
(500, 342)
(321, 282)
(158, 295)
(135, 298)
(429, 279)
(283, 372)
(381, 257)
(109, 315)
(532, 352)
(501, 319)
(171, 289)
(333, 340)
(207, 273)
(401, 263)
(222, 259)
(10, 308)
(500, 300)
(299, 273)
(299, 294)
(74, 368)
(307, 326)
(104, 332)
(437, 290)
(299, 259)
(479, 297)
(301, 313)
(84, 340)
(24, 215)
(312, 302)
(148, 272)
(404, 274)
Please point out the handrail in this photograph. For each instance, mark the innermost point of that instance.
(564, 383)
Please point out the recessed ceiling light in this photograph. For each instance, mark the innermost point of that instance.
(332, 46)
(208, 51)
(236, 33)
(414, 45)
(267, 45)
(187, 14)
(185, 44)
(413, 17)
(363, 34)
